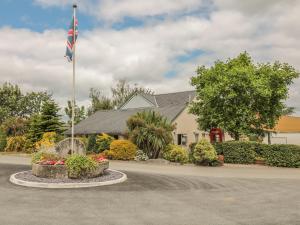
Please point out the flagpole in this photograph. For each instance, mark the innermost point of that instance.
(73, 82)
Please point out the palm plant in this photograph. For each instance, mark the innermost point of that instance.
(150, 131)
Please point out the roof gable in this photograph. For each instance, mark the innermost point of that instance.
(139, 100)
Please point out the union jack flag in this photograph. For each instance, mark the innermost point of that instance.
(70, 42)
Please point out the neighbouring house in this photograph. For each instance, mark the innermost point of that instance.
(287, 131)
(174, 106)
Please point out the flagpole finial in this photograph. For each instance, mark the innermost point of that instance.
(74, 5)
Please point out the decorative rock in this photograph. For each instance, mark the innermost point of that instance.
(50, 171)
(64, 147)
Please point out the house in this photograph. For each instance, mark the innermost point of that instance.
(174, 106)
(287, 131)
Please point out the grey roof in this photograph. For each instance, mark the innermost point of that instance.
(114, 121)
(177, 98)
(169, 105)
(149, 97)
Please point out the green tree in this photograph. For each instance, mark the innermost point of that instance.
(32, 103)
(150, 131)
(98, 102)
(15, 104)
(10, 98)
(79, 113)
(241, 97)
(47, 121)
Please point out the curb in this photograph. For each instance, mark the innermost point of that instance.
(16, 181)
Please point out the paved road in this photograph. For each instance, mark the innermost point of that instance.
(160, 194)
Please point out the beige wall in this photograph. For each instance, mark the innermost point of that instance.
(186, 124)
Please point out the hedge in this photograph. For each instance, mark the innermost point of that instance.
(245, 152)
(237, 152)
(283, 155)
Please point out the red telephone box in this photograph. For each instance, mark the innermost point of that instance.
(216, 135)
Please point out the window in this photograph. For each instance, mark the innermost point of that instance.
(182, 139)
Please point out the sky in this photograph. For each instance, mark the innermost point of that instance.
(157, 44)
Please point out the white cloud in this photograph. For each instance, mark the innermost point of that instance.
(144, 54)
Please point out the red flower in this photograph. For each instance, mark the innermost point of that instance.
(60, 162)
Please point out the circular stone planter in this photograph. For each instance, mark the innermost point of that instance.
(61, 172)
(26, 178)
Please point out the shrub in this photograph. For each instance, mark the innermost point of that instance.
(192, 146)
(150, 131)
(79, 165)
(242, 152)
(141, 156)
(282, 155)
(43, 156)
(3, 140)
(103, 142)
(204, 153)
(91, 143)
(176, 153)
(47, 141)
(121, 149)
(16, 144)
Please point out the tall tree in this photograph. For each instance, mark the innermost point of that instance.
(32, 102)
(241, 97)
(47, 121)
(79, 113)
(98, 101)
(10, 98)
(16, 104)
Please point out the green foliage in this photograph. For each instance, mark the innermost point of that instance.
(176, 153)
(246, 152)
(15, 126)
(16, 144)
(91, 143)
(240, 152)
(98, 101)
(103, 142)
(141, 156)
(78, 165)
(241, 97)
(3, 140)
(47, 121)
(282, 155)
(204, 153)
(16, 104)
(122, 150)
(150, 131)
(79, 113)
(41, 155)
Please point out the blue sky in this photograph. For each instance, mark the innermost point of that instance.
(30, 15)
(155, 43)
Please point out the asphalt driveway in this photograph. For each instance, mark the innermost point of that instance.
(159, 194)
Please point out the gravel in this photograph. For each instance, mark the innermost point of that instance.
(107, 176)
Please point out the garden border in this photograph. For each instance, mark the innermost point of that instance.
(20, 182)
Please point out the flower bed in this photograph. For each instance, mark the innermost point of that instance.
(48, 165)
